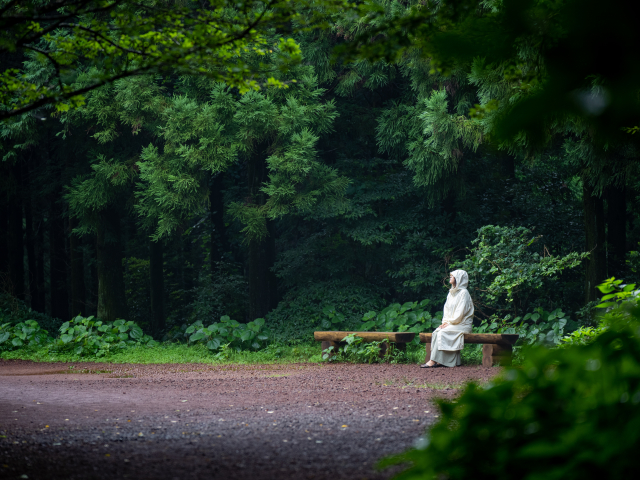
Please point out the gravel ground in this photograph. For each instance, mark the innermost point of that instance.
(192, 421)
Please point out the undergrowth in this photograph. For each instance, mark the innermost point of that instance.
(181, 353)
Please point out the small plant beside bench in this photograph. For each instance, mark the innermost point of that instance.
(331, 341)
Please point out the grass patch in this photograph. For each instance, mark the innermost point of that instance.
(181, 353)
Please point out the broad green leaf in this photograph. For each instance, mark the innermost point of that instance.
(196, 336)
(136, 332)
(368, 316)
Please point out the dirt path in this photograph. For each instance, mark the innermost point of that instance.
(103, 421)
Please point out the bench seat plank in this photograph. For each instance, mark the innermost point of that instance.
(395, 337)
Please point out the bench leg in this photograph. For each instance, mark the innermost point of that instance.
(384, 349)
(427, 352)
(326, 344)
(496, 355)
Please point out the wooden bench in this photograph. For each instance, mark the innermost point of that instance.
(497, 348)
(334, 339)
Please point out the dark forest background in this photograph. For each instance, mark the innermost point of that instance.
(168, 199)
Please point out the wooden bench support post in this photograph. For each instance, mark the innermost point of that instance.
(427, 352)
(493, 354)
(326, 344)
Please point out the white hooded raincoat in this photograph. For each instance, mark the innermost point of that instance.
(458, 314)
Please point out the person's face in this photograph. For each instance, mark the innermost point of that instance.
(452, 280)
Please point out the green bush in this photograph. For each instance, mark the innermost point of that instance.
(409, 317)
(356, 350)
(224, 292)
(505, 266)
(24, 334)
(92, 337)
(570, 413)
(229, 333)
(301, 311)
(15, 311)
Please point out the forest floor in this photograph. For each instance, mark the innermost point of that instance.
(196, 421)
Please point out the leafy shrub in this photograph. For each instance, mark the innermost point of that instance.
(356, 350)
(537, 328)
(24, 334)
(92, 337)
(224, 292)
(409, 317)
(301, 311)
(15, 311)
(504, 267)
(229, 333)
(570, 413)
(615, 294)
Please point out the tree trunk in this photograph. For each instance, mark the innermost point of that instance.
(78, 301)
(30, 239)
(616, 230)
(263, 292)
(38, 303)
(4, 228)
(219, 244)
(15, 235)
(156, 274)
(112, 303)
(595, 237)
(59, 261)
(91, 274)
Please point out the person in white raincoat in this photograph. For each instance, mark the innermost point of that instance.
(448, 339)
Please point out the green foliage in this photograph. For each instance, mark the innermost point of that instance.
(136, 280)
(567, 413)
(180, 353)
(537, 328)
(224, 291)
(582, 336)
(211, 40)
(356, 350)
(228, 333)
(409, 317)
(504, 268)
(301, 311)
(14, 311)
(633, 262)
(91, 337)
(616, 295)
(23, 335)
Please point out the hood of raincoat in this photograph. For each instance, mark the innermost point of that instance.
(462, 280)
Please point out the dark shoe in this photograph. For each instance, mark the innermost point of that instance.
(435, 365)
